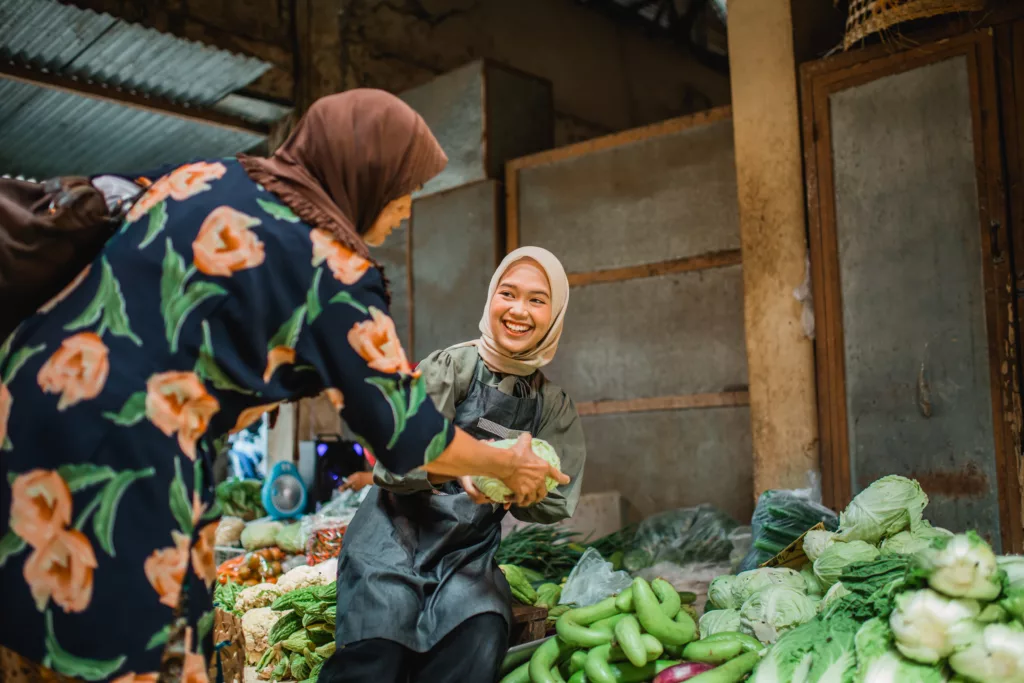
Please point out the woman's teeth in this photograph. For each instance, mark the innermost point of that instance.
(516, 328)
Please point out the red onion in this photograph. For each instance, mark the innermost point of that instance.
(682, 672)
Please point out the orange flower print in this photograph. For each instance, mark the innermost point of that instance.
(182, 183)
(144, 204)
(191, 179)
(165, 569)
(194, 670)
(336, 398)
(77, 370)
(278, 356)
(133, 677)
(63, 294)
(346, 265)
(40, 506)
(177, 402)
(5, 411)
(202, 554)
(61, 570)
(225, 243)
(376, 341)
(250, 415)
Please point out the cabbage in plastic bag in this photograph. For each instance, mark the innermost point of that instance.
(683, 536)
(719, 621)
(888, 506)
(260, 534)
(772, 611)
(830, 564)
(496, 490)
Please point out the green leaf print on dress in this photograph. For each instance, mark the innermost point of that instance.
(157, 221)
(62, 661)
(107, 309)
(208, 370)
(178, 297)
(402, 408)
(278, 211)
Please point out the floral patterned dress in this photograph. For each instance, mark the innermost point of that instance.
(213, 304)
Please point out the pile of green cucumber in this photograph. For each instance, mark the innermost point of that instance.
(631, 638)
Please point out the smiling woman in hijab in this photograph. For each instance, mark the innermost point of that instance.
(420, 598)
(233, 286)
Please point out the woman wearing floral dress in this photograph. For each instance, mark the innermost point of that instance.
(233, 286)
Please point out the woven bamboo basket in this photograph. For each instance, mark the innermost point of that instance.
(867, 17)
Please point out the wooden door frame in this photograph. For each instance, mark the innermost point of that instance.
(818, 81)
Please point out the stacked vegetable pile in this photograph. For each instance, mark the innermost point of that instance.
(302, 639)
(644, 633)
(241, 498)
(903, 601)
(286, 620)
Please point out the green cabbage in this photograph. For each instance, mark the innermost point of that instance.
(830, 564)
(965, 568)
(887, 507)
(258, 535)
(928, 626)
(993, 655)
(911, 542)
(878, 662)
(291, 539)
(820, 650)
(1013, 567)
(720, 592)
(815, 542)
(719, 621)
(496, 490)
(750, 582)
(774, 610)
(811, 585)
(836, 593)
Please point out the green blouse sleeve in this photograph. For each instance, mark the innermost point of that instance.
(560, 426)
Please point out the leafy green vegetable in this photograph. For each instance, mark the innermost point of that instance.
(836, 593)
(964, 568)
(929, 626)
(496, 490)
(993, 655)
(886, 507)
(773, 610)
(550, 551)
(225, 595)
(719, 621)
(879, 662)
(836, 557)
(750, 582)
(811, 584)
(815, 542)
(911, 542)
(819, 650)
(720, 592)
(241, 498)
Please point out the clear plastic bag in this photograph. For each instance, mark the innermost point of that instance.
(782, 516)
(324, 530)
(684, 536)
(592, 580)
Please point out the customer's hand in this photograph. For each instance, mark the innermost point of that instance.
(528, 479)
(357, 481)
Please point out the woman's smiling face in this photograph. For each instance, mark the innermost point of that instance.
(520, 310)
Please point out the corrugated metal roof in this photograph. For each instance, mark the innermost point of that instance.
(47, 131)
(44, 133)
(78, 43)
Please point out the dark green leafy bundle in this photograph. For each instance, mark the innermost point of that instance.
(225, 595)
(615, 542)
(697, 534)
(780, 518)
(241, 498)
(873, 586)
(548, 550)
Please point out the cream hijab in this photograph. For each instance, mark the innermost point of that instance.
(523, 364)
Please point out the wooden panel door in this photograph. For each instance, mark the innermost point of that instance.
(911, 270)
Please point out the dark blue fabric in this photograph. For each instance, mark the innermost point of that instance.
(213, 304)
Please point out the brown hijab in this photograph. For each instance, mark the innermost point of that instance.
(349, 156)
